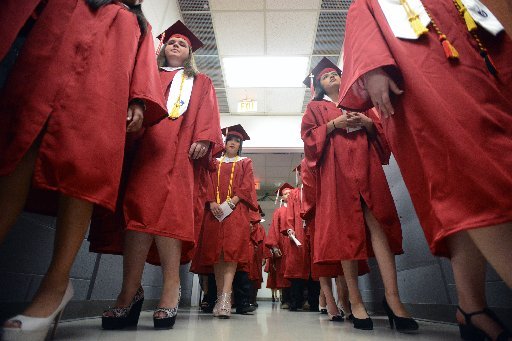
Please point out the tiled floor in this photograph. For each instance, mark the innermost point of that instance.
(267, 323)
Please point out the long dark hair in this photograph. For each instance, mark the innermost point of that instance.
(137, 10)
(189, 65)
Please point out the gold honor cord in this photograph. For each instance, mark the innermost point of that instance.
(228, 198)
(414, 19)
(175, 111)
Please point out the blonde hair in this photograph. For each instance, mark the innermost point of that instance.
(189, 65)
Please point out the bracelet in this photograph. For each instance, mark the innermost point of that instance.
(334, 125)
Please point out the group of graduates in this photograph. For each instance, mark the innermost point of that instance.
(101, 133)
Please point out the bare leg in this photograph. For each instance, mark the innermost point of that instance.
(169, 250)
(341, 286)
(14, 190)
(386, 261)
(72, 222)
(468, 266)
(326, 284)
(321, 299)
(356, 301)
(495, 243)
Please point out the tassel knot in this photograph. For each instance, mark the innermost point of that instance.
(449, 51)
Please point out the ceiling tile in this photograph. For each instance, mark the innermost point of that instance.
(295, 4)
(239, 33)
(290, 33)
(241, 5)
(284, 100)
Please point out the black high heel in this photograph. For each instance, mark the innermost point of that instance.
(124, 317)
(403, 324)
(470, 332)
(166, 322)
(363, 324)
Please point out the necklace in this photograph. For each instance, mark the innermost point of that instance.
(230, 187)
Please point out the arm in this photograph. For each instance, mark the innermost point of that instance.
(246, 191)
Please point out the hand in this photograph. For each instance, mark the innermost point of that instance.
(357, 119)
(341, 121)
(135, 116)
(235, 200)
(277, 253)
(198, 149)
(379, 84)
(216, 210)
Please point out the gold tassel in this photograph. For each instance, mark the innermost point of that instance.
(414, 19)
(175, 111)
(470, 22)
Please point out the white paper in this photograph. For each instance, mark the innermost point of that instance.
(226, 210)
(292, 236)
(349, 130)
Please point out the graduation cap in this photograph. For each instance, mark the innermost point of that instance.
(323, 66)
(280, 190)
(236, 130)
(179, 30)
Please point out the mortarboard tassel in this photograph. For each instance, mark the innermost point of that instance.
(160, 44)
(470, 22)
(311, 86)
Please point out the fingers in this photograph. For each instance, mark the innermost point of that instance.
(197, 151)
(386, 106)
(137, 117)
(396, 90)
(129, 115)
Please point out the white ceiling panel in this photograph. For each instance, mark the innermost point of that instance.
(284, 100)
(239, 33)
(295, 4)
(290, 33)
(236, 5)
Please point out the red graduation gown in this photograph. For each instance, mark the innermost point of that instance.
(161, 192)
(451, 130)
(71, 84)
(298, 263)
(231, 236)
(255, 271)
(348, 170)
(277, 239)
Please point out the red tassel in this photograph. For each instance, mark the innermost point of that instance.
(449, 51)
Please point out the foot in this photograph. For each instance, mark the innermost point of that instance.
(481, 321)
(396, 306)
(45, 302)
(124, 299)
(169, 298)
(359, 311)
(332, 309)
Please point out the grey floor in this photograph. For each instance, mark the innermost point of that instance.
(268, 322)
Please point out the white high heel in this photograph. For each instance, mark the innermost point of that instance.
(36, 328)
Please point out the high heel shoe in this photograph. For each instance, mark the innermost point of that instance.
(166, 322)
(335, 318)
(224, 311)
(323, 310)
(403, 324)
(36, 328)
(470, 332)
(363, 324)
(124, 317)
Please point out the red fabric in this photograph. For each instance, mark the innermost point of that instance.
(182, 37)
(231, 236)
(327, 69)
(164, 185)
(256, 247)
(451, 130)
(278, 240)
(74, 85)
(298, 263)
(348, 168)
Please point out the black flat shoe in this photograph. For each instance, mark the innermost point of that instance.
(363, 324)
(470, 332)
(124, 317)
(402, 324)
(323, 311)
